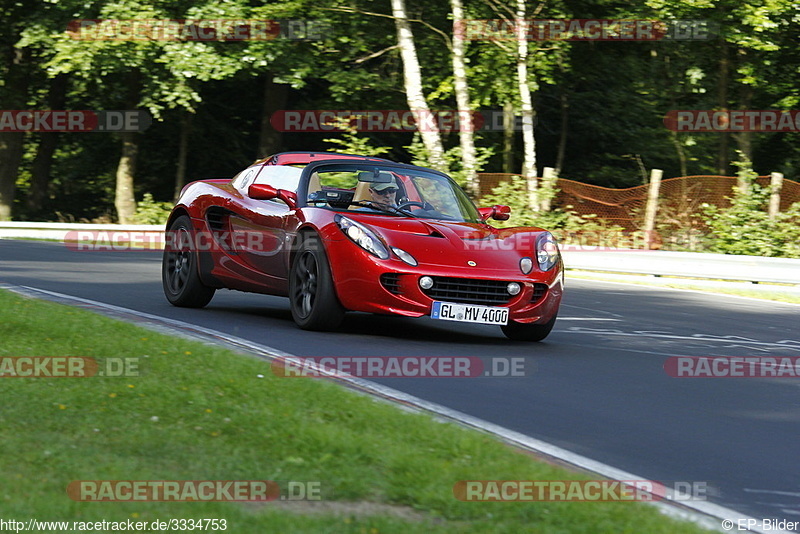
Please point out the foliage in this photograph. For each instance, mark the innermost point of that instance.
(420, 156)
(353, 143)
(148, 211)
(602, 102)
(565, 224)
(745, 226)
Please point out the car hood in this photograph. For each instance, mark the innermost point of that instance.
(434, 242)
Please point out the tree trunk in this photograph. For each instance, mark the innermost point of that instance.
(183, 152)
(466, 135)
(11, 145)
(43, 163)
(744, 143)
(744, 140)
(14, 93)
(427, 126)
(722, 103)
(124, 200)
(562, 138)
(680, 151)
(508, 137)
(528, 140)
(670, 89)
(274, 99)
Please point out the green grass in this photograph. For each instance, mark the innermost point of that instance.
(198, 412)
(681, 283)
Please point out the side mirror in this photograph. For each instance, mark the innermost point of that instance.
(497, 212)
(267, 192)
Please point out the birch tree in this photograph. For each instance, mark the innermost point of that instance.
(466, 134)
(428, 129)
(526, 108)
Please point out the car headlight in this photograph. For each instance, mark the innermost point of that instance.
(547, 254)
(362, 236)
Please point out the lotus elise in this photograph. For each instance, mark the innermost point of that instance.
(338, 232)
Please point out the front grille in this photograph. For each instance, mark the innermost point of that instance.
(391, 282)
(538, 292)
(469, 291)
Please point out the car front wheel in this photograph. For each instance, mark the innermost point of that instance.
(179, 267)
(528, 332)
(311, 293)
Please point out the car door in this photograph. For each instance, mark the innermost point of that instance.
(261, 231)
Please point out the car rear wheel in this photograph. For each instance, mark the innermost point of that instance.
(528, 332)
(179, 267)
(311, 293)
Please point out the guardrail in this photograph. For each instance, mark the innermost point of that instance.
(626, 261)
(62, 231)
(685, 264)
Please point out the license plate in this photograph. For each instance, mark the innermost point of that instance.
(469, 313)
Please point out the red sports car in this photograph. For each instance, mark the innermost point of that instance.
(337, 232)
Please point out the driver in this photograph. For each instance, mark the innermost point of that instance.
(385, 193)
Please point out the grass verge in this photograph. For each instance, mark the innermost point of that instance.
(198, 412)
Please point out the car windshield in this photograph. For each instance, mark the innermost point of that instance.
(388, 190)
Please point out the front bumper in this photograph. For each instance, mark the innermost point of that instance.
(368, 284)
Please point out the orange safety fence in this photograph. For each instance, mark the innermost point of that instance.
(680, 199)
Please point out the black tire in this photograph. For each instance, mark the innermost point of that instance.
(528, 332)
(311, 293)
(179, 267)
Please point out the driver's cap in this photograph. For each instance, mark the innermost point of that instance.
(380, 186)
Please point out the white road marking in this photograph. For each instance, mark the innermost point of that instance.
(773, 492)
(784, 344)
(604, 312)
(587, 319)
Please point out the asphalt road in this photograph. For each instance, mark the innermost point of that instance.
(596, 386)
